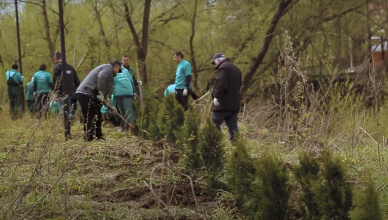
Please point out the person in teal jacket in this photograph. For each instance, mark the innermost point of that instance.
(15, 91)
(182, 79)
(124, 93)
(43, 83)
(30, 96)
(169, 90)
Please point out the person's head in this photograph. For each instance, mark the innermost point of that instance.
(116, 66)
(178, 56)
(43, 67)
(15, 66)
(218, 58)
(125, 60)
(58, 56)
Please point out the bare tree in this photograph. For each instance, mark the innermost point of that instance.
(192, 54)
(141, 46)
(283, 7)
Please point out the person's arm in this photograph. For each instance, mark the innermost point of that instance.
(188, 75)
(188, 81)
(50, 81)
(20, 78)
(133, 75)
(76, 79)
(35, 84)
(133, 83)
(56, 77)
(102, 81)
(220, 84)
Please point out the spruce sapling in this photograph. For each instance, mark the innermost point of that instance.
(270, 190)
(334, 193)
(241, 171)
(212, 151)
(366, 202)
(188, 141)
(306, 174)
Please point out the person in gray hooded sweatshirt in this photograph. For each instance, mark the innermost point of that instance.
(93, 90)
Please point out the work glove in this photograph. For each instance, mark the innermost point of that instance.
(134, 96)
(215, 102)
(35, 94)
(185, 91)
(140, 83)
(100, 97)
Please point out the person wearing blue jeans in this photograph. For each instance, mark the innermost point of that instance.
(230, 118)
(226, 93)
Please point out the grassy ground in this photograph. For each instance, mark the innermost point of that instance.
(44, 177)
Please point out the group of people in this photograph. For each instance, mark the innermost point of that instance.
(116, 81)
(65, 89)
(226, 95)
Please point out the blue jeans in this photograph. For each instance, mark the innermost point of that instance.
(230, 118)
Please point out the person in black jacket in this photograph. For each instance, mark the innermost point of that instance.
(226, 93)
(65, 86)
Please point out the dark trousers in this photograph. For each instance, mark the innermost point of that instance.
(73, 106)
(31, 106)
(183, 100)
(230, 118)
(65, 106)
(15, 106)
(41, 104)
(90, 108)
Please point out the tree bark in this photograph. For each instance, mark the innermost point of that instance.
(142, 46)
(192, 54)
(47, 29)
(282, 9)
(144, 41)
(102, 31)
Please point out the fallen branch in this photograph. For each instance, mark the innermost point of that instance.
(157, 197)
(368, 135)
(191, 184)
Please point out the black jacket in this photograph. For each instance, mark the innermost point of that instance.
(69, 82)
(226, 87)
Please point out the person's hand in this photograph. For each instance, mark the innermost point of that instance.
(140, 83)
(185, 92)
(23, 78)
(134, 95)
(100, 97)
(215, 102)
(35, 94)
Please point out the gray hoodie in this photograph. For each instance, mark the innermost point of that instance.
(100, 79)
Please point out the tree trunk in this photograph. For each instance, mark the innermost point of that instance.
(47, 29)
(144, 41)
(282, 8)
(140, 47)
(102, 31)
(193, 62)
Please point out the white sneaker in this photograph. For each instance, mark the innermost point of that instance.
(120, 129)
